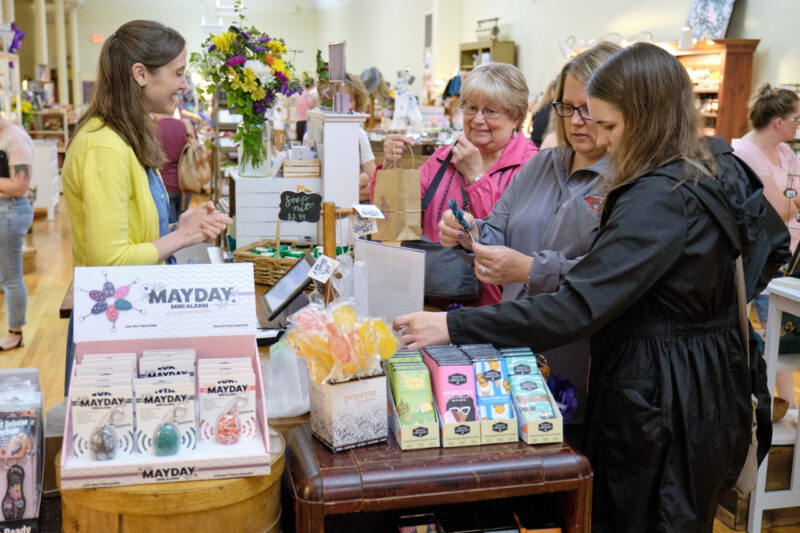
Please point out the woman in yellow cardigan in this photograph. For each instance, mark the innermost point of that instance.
(115, 197)
(117, 203)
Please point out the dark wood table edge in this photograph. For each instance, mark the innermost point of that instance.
(576, 509)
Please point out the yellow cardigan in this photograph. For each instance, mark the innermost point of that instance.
(112, 212)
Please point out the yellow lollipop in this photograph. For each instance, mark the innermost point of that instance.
(345, 318)
(378, 338)
(300, 344)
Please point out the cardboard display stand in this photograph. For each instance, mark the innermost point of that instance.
(209, 308)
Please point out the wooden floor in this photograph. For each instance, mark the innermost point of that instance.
(45, 334)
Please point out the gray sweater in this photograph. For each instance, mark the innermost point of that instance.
(553, 216)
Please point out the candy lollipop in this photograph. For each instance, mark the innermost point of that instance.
(309, 318)
(345, 318)
(378, 338)
(360, 354)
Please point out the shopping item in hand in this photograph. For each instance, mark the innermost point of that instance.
(459, 214)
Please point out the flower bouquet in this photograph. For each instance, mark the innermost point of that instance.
(251, 68)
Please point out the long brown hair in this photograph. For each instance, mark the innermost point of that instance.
(771, 102)
(582, 67)
(651, 89)
(117, 98)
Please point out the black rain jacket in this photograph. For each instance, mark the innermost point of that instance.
(669, 415)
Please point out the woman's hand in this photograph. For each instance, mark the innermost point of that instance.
(393, 147)
(363, 187)
(202, 223)
(467, 158)
(422, 329)
(452, 233)
(498, 265)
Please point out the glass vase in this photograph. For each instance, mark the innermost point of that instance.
(263, 169)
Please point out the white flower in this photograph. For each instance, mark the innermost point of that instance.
(262, 71)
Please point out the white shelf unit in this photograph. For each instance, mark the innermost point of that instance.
(45, 176)
(10, 88)
(784, 295)
(42, 127)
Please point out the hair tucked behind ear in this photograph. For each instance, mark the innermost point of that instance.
(653, 92)
(769, 103)
(117, 98)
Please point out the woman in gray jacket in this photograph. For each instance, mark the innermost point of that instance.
(548, 216)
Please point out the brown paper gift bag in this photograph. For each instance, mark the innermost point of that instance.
(397, 195)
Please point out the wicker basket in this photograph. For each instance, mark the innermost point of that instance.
(779, 408)
(266, 270)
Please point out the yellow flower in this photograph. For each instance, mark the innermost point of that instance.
(279, 66)
(224, 41)
(249, 84)
(277, 47)
(259, 94)
(236, 81)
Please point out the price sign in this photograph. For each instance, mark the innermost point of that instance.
(368, 211)
(300, 206)
(323, 268)
(363, 226)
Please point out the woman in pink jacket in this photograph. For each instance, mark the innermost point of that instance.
(486, 155)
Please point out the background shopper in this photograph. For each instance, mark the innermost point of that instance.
(16, 217)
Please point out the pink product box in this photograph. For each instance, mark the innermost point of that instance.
(453, 390)
(169, 325)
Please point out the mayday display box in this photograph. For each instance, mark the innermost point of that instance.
(167, 383)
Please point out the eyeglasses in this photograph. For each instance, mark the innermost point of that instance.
(489, 113)
(567, 110)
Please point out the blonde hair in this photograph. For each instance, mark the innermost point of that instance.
(582, 67)
(661, 124)
(501, 83)
(117, 98)
(769, 103)
(357, 92)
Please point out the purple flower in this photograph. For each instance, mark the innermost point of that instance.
(259, 49)
(564, 394)
(453, 306)
(235, 60)
(246, 36)
(234, 29)
(263, 39)
(18, 35)
(212, 47)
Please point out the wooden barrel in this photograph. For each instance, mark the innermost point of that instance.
(249, 504)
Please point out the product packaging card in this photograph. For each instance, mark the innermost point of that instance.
(411, 388)
(102, 421)
(224, 361)
(182, 353)
(454, 390)
(522, 365)
(227, 407)
(98, 357)
(153, 302)
(165, 417)
(121, 367)
(153, 368)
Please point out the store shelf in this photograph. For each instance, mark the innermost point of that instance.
(473, 54)
(705, 90)
(49, 132)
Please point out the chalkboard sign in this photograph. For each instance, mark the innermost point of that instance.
(300, 206)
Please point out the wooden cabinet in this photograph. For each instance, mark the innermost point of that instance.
(721, 73)
(473, 54)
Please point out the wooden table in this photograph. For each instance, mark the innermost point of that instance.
(382, 478)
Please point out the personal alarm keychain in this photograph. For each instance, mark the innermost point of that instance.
(14, 500)
(103, 441)
(790, 192)
(167, 436)
(229, 425)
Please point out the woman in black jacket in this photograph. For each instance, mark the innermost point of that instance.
(668, 418)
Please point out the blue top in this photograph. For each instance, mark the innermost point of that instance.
(161, 200)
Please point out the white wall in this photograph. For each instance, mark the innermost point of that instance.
(389, 34)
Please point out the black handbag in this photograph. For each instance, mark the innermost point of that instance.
(447, 276)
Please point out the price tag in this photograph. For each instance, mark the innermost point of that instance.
(363, 226)
(323, 268)
(368, 211)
